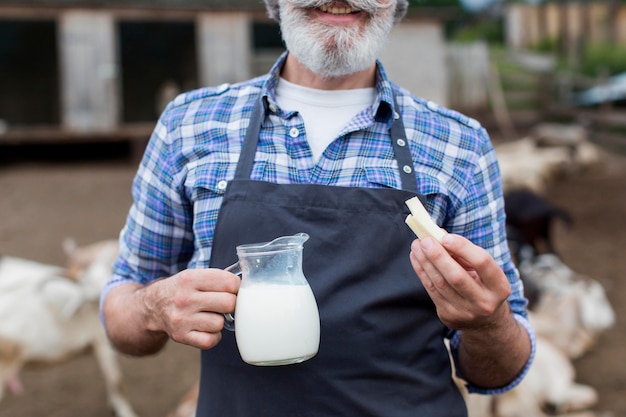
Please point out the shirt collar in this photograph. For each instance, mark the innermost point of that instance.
(382, 109)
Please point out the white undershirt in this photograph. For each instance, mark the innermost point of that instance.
(325, 112)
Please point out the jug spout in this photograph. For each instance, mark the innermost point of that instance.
(278, 244)
(298, 240)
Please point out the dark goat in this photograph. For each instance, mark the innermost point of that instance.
(529, 220)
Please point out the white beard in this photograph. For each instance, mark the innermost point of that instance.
(334, 51)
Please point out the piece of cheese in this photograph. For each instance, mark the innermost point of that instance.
(420, 222)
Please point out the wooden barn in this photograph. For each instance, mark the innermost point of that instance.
(102, 70)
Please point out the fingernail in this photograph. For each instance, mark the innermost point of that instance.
(427, 244)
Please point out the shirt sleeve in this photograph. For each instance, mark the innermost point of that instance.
(454, 348)
(156, 240)
(481, 218)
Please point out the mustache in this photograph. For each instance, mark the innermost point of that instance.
(369, 6)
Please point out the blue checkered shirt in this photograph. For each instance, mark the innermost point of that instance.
(195, 146)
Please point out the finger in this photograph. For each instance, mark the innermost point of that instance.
(471, 256)
(217, 302)
(203, 340)
(210, 279)
(449, 272)
(190, 329)
(449, 304)
(431, 277)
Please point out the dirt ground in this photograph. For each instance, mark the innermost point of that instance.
(85, 194)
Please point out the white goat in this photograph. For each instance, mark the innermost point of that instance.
(526, 163)
(46, 317)
(549, 385)
(186, 407)
(572, 311)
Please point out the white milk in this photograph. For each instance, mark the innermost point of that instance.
(276, 324)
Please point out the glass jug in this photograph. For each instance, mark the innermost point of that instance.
(277, 316)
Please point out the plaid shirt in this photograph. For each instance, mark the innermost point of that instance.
(194, 149)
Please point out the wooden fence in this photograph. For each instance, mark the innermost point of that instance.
(506, 88)
(570, 23)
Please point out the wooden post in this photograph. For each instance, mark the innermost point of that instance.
(89, 71)
(224, 43)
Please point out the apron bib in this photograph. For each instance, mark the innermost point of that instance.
(381, 345)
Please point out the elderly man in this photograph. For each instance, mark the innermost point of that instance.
(325, 144)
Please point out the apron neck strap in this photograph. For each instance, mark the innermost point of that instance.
(401, 150)
(398, 140)
(248, 149)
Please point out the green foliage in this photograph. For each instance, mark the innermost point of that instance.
(489, 30)
(435, 3)
(546, 45)
(603, 57)
(592, 60)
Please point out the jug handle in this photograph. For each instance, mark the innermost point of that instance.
(229, 318)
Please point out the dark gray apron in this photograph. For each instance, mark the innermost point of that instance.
(381, 348)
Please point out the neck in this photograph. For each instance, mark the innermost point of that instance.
(294, 72)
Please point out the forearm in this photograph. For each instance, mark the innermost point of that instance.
(128, 323)
(493, 357)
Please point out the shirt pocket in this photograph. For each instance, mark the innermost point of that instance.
(433, 190)
(208, 178)
(205, 185)
(436, 195)
(382, 177)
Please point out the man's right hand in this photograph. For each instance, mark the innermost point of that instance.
(187, 308)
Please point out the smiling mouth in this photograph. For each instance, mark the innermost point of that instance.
(339, 11)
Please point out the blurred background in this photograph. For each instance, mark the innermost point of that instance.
(83, 82)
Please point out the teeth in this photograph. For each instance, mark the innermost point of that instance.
(337, 10)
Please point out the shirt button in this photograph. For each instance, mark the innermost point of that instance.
(294, 132)
(432, 105)
(407, 169)
(272, 107)
(396, 115)
(222, 185)
(401, 142)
